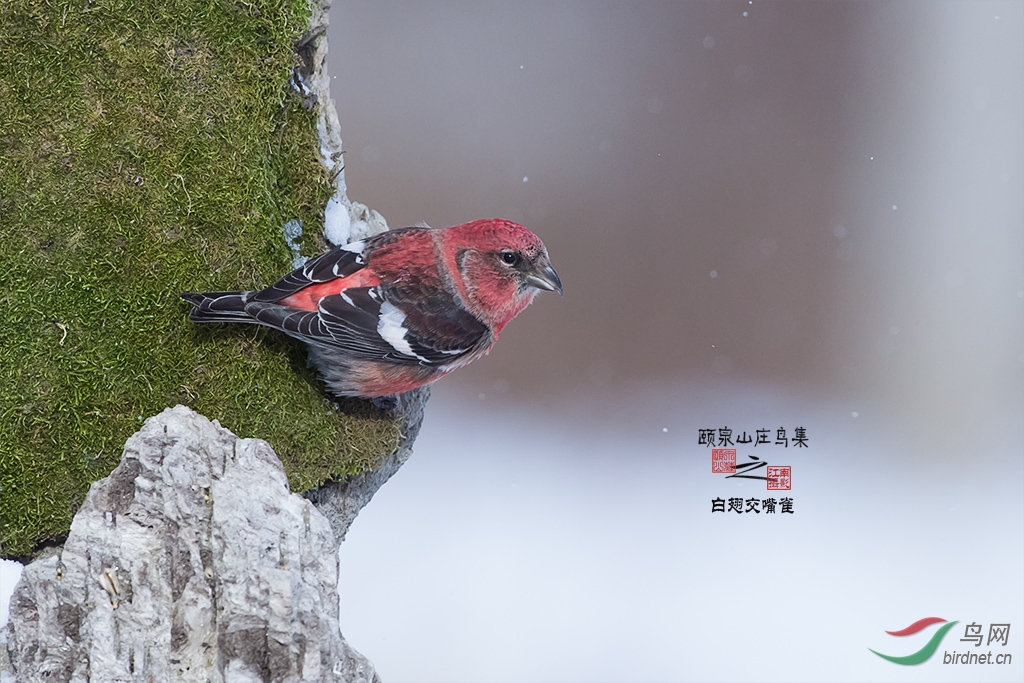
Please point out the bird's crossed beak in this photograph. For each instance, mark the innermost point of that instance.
(543, 276)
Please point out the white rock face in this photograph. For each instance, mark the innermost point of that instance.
(192, 561)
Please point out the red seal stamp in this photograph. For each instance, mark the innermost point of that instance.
(780, 478)
(723, 460)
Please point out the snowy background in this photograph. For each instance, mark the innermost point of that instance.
(765, 215)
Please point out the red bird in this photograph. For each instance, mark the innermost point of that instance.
(400, 309)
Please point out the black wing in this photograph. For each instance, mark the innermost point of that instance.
(399, 325)
(338, 262)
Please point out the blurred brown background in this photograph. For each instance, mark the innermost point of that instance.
(821, 195)
(765, 214)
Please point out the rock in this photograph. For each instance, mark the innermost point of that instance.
(192, 561)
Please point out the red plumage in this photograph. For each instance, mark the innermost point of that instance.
(400, 309)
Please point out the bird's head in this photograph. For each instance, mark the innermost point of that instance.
(502, 265)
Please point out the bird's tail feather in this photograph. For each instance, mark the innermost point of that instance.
(218, 307)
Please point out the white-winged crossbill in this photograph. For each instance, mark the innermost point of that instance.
(400, 309)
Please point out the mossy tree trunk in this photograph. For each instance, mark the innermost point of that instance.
(146, 149)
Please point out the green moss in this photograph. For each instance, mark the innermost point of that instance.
(149, 148)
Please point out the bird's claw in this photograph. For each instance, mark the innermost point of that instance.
(385, 402)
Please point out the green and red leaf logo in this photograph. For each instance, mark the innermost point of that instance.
(930, 647)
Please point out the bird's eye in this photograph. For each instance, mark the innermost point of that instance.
(510, 257)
